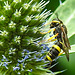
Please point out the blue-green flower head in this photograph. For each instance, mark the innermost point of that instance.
(20, 23)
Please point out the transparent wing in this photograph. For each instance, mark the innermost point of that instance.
(65, 41)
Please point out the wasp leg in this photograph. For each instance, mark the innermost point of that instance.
(60, 53)
(49, 64)
(63, 45)
(63, 51)
(46, 41)
(46, 24)
(53, 37)
(49, 40)
(48, 31)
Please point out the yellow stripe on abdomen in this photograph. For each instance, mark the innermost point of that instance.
(57, 47)
(48, 57)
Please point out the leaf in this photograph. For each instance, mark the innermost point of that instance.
(72, 40)
(59, 72)
(72, 49)
(47, 71)
(53, 73)
(30, 73)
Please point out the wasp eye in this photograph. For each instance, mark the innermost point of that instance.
(52, 25)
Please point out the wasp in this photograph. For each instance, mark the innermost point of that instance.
(60, 34)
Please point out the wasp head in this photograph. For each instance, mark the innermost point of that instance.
(55, 22)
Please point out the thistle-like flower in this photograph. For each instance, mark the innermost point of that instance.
(20, 21)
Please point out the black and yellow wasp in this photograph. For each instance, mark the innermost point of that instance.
(60, 34)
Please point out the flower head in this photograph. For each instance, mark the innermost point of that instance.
(17, 39)
(12, 24)
(17, 13)
(1, 43)
(3, 33)
(20, 23)
(5, 62)
(26, 5)
(7, 6)
(2, 18)
(16, 1)
(23, 28)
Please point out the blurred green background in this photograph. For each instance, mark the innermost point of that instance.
(53, 4)
(64, 64)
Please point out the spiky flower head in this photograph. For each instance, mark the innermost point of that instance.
(20, 21)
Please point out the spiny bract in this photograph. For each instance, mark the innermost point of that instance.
(20, 21)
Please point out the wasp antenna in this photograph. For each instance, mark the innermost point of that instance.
(56, 15)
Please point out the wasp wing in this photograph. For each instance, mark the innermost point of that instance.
(65, 41)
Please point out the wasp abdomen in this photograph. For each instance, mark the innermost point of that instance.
(54, 52)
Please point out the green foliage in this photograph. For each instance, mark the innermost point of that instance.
(20, 24)
(54, 4)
